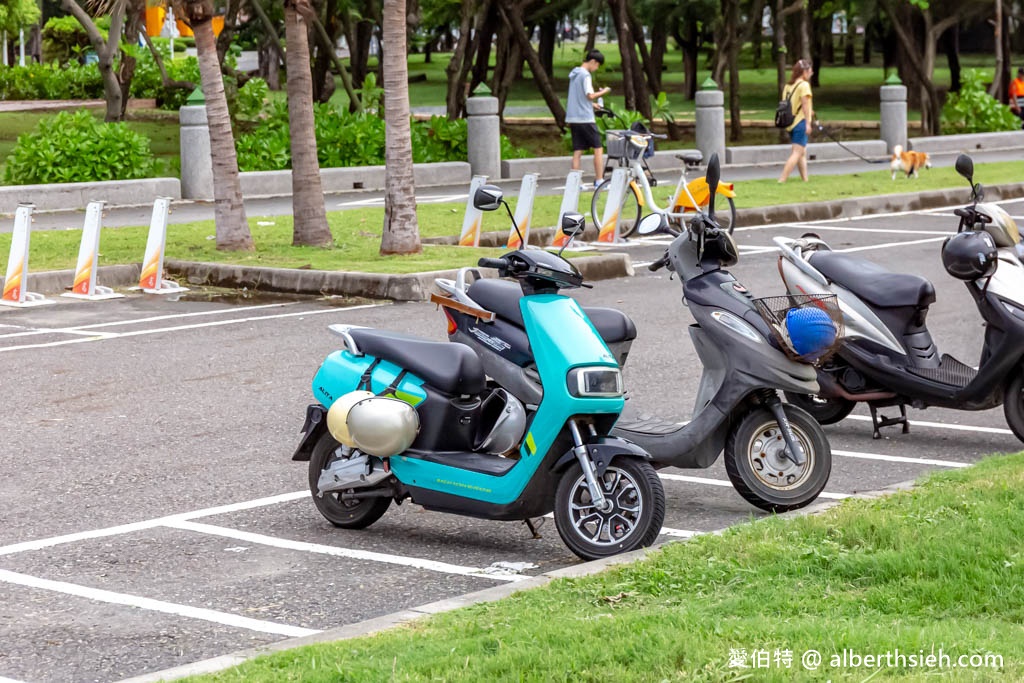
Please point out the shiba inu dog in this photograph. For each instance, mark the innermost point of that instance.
(908, 162)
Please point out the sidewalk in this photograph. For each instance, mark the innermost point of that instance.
(185, 211)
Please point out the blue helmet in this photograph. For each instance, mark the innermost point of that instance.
(811, 330)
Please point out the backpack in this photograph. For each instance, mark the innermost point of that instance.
(784, 112)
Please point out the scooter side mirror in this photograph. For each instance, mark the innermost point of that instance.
(965, 167)
(488, 198)
(573, 224)
(714, 175)
(652, 223)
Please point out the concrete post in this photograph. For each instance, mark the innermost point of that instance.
(484, 136)
(196, 161)
(894, 115)
(711, 123)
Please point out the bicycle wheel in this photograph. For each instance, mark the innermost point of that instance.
(629, 213)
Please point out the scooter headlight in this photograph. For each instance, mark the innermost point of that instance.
(737, 325)
(595, 382)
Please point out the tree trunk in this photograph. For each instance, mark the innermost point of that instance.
(401, 230)
(690, 55)
(487, 25)
(310, 217)
(732, 20)
(511, 14)
(546, 48)
(105, 51)
(593, 15)
(634, 85)
(229, 210)
(359, 51)
(659, 45)
(133, 26)
(951, 46)
(996, 89)
(456, 95)
(355, 103)
(271, 41)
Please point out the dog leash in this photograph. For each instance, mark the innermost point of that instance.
(829, 135)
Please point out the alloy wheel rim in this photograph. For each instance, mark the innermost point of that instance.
(766, 455)
(617, 524)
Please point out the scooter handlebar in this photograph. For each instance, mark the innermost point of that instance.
(498, 263)
(659, 264)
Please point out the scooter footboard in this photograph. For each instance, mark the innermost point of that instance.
(695, 445)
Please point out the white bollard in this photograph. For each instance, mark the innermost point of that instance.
(609, 232)
(21, 47)
(570, 204)
(470, 236)
(16, 283)
(524, 211)
(151, 281)
(85, 286)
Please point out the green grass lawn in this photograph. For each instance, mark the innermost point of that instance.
(357, 231)
(937, 568)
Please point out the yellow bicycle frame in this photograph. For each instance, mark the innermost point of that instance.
(698, 187)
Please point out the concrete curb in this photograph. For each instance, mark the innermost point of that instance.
(866, 206)
(64, 196)
(398, 287)
(493, 594)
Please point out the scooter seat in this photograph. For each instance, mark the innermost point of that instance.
(502, 297)
(452, 368)
(872, 282)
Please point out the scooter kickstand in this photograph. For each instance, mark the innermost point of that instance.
(534, 528)
(883, 421)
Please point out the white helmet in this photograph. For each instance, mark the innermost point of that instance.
(382, 426)
(503, 417)
(1002, 228)
(337, 416)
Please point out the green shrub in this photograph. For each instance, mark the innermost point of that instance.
(64, 40)
(147, 82)
(973, 110)
(252, 98)
(50, 82)
(76, 147)
(344, 139)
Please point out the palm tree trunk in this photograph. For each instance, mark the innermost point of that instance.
(229, 211)
(310, 227)
(401, 230)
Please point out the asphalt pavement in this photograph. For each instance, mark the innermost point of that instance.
(152, 515)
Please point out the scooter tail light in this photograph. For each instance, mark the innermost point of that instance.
(452, 325)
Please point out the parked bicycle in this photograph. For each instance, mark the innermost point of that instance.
(628, 148)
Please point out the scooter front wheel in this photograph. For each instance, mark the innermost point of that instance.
(1013, 404)
(633, 520)
(761, 472)
(357, 514)
(826, 410)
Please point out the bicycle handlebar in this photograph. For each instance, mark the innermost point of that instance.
(498, 263)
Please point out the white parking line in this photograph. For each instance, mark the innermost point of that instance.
(351, 553)
(726, 482)
(216, 323)
(892, 244)
(940, 425)
(41, 543)
(899, 458)
(665, 530)
(100, 595)
(8, 680)
(892, 231)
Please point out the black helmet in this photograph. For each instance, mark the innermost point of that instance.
(720, 245)
(969, 255)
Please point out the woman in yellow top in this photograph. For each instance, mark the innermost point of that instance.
(798, 92)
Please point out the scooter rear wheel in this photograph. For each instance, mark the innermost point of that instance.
(343, 514)
(634, 520)
(1013, 404)
(826, 411)
(761, 473)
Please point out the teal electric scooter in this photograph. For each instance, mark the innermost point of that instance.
(402, 417)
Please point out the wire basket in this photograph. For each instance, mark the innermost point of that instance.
(776, 310)
(617, 146)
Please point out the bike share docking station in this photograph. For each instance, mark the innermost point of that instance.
(84, 286)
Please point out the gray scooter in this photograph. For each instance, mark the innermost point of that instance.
(776, 455)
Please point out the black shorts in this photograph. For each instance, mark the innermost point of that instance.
(585, 136)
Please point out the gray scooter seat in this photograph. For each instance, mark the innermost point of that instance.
(872, 282)
(502, 297)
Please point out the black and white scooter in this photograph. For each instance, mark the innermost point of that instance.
(888, 356)
(777, 457)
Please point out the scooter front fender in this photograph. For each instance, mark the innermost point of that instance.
(602, 451)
